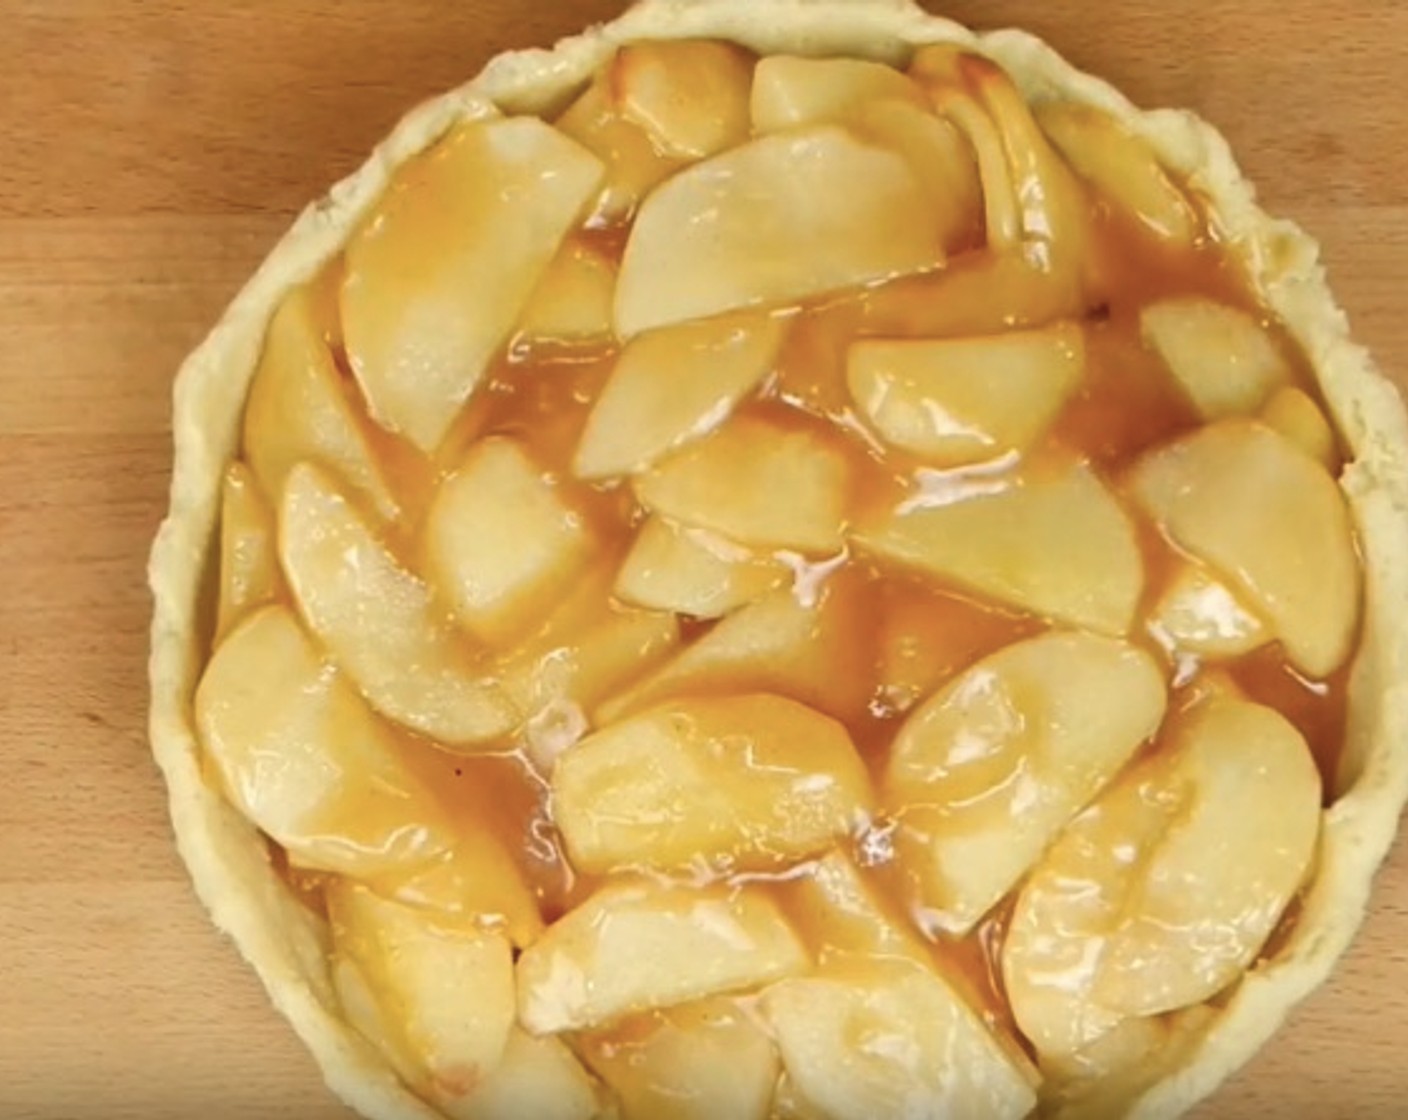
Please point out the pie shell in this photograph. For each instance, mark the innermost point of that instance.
(229, 861)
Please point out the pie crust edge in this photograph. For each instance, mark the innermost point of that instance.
(227, 859)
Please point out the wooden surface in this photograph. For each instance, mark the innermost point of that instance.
(150, 153)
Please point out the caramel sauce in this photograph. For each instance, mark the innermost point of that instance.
(918, 634)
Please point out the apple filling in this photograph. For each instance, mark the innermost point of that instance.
(798, 588)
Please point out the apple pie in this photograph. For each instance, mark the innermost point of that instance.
(785, 561)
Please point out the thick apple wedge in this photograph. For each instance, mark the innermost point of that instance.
(690, 96)
(1220, 356)
(814, 652)
(886, 1037)
(672, 386)
(791, 92)
(1199, 614)
(636, 946)
(299, 411)
(443, 267)
(836, 912)
(380, 621)
(249, 562)
(538, 1078)
(985, 774)
(1271, 521)
(501, 542)
(447, 986)
(1163, 892)
(1121, 168)
(694, 572)
(699, 1061)
(763, 224)
(1054, 542)
(964, 400)
(742, 783)
(1296, 416)
(759, 482)
(634, 162)
(572, 302)
(300, 754)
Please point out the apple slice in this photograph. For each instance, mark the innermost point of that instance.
(962, 400)
(837, 912)
(502, 541)
(750, 783)
(689, 95)
(380, 622)
(636, 945)
(985, 774)
(301, 756)
(870, 1037)
(1199, 614)
(1163, 892)
(298, 410)
(249, 564)
(446, 987)
(536, 1079)
(1269, 520)
(572, 302)
(763, 224)
(758, 481)
(672, 386)
(1121, 167)
(791, 92)
(940, 155)
(699, 1061)
(1220, 356)
(1296, 416)
(634, 163)
(816, 652)
(693, 571)
(444, 265)
(1054, 542)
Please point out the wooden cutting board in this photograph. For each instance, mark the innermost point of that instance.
(150, 153)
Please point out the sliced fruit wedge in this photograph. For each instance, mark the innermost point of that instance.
(690, 96)
(742, 783)
(299, 754)
(673, 386)
(1296, 416)
(694, 572)
(536, 1077)
(758, 481)
(380, 622)
(965, 400)
(1199, 614)
(1053, 541)
(869, 1037)
(837, 912)
(985, 774)
(699, 1061)
(443, 267)
(572, 302)
(502, 541)
(1220, 356)
(1269, 520)
(816, 652)
(444, 988)
(298, 410)
(635, 946)
(249, 563)
(634, 163)
(791, 92)
(1122, 168)
(1163, 892)
(761, 224)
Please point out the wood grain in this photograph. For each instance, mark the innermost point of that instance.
(151, 153)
